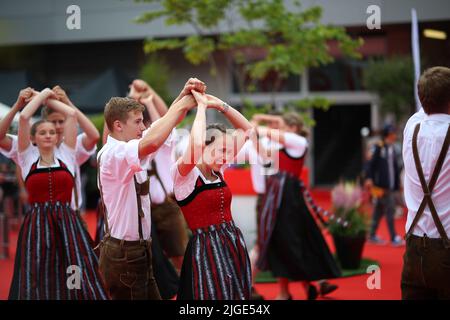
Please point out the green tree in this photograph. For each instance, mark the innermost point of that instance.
(156, 72)
(291, 38)
(393, 80)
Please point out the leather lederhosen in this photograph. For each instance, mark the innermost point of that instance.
(126, 266)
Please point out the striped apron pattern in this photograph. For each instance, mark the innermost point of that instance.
(271, 203)
(53, 249)
(220, 263)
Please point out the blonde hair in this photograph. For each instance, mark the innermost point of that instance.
(294, 119)
(117, 108)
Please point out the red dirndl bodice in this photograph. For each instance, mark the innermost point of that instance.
(209, 204)
(52, 184)
(290, 164)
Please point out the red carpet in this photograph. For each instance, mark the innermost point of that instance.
(352, 288)
(355, 288)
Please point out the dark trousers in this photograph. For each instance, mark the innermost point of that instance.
(171, 228)
(384, 205)
(126, 267)
(426, 269)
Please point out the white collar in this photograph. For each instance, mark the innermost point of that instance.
(206, 180)
(438, 117)
(112, 140)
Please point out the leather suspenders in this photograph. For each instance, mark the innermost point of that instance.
(154, 172)
(428, 188)
(142, 189)
(102, 202)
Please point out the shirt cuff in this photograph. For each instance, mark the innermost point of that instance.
(82, 148)
(132, 156)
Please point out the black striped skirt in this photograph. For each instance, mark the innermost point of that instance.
(216, 265)
(54, 258)
(291, 244)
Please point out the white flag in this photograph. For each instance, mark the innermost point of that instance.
(416, 54)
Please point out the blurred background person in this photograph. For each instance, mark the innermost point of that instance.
(383, 178)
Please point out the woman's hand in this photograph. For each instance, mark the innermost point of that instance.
(193, 84)
(201, 99)
(147, 101)
(61, 95)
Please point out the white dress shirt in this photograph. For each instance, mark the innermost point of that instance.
(119, 163)
(431, 136)
(81, 156)
(164, 159)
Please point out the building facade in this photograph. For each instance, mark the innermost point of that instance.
(37, 48)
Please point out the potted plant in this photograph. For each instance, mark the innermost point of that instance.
(349, 240)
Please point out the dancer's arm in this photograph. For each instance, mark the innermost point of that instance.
(160, 130)
(288, 139)
(238, 121)
(23, 194)
(259, 117)
(92, 135)
(5, 123)
(142, 86)
(25, 116)
(196, 143)
(70, 125)
(275, 135)
(151, 107)
(192, 84)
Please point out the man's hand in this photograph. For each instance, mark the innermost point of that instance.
(133, 93)
(61, 95)
(25, 95)
(140, 85)
(193, 84)
(186, 103)
(146, 100)
(140, 89)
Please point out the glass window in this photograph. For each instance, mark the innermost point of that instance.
(341, 75)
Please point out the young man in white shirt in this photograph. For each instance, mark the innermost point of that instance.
(426, 154)
(167, 218)
(125, 251)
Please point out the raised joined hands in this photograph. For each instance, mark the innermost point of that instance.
(25, 96)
